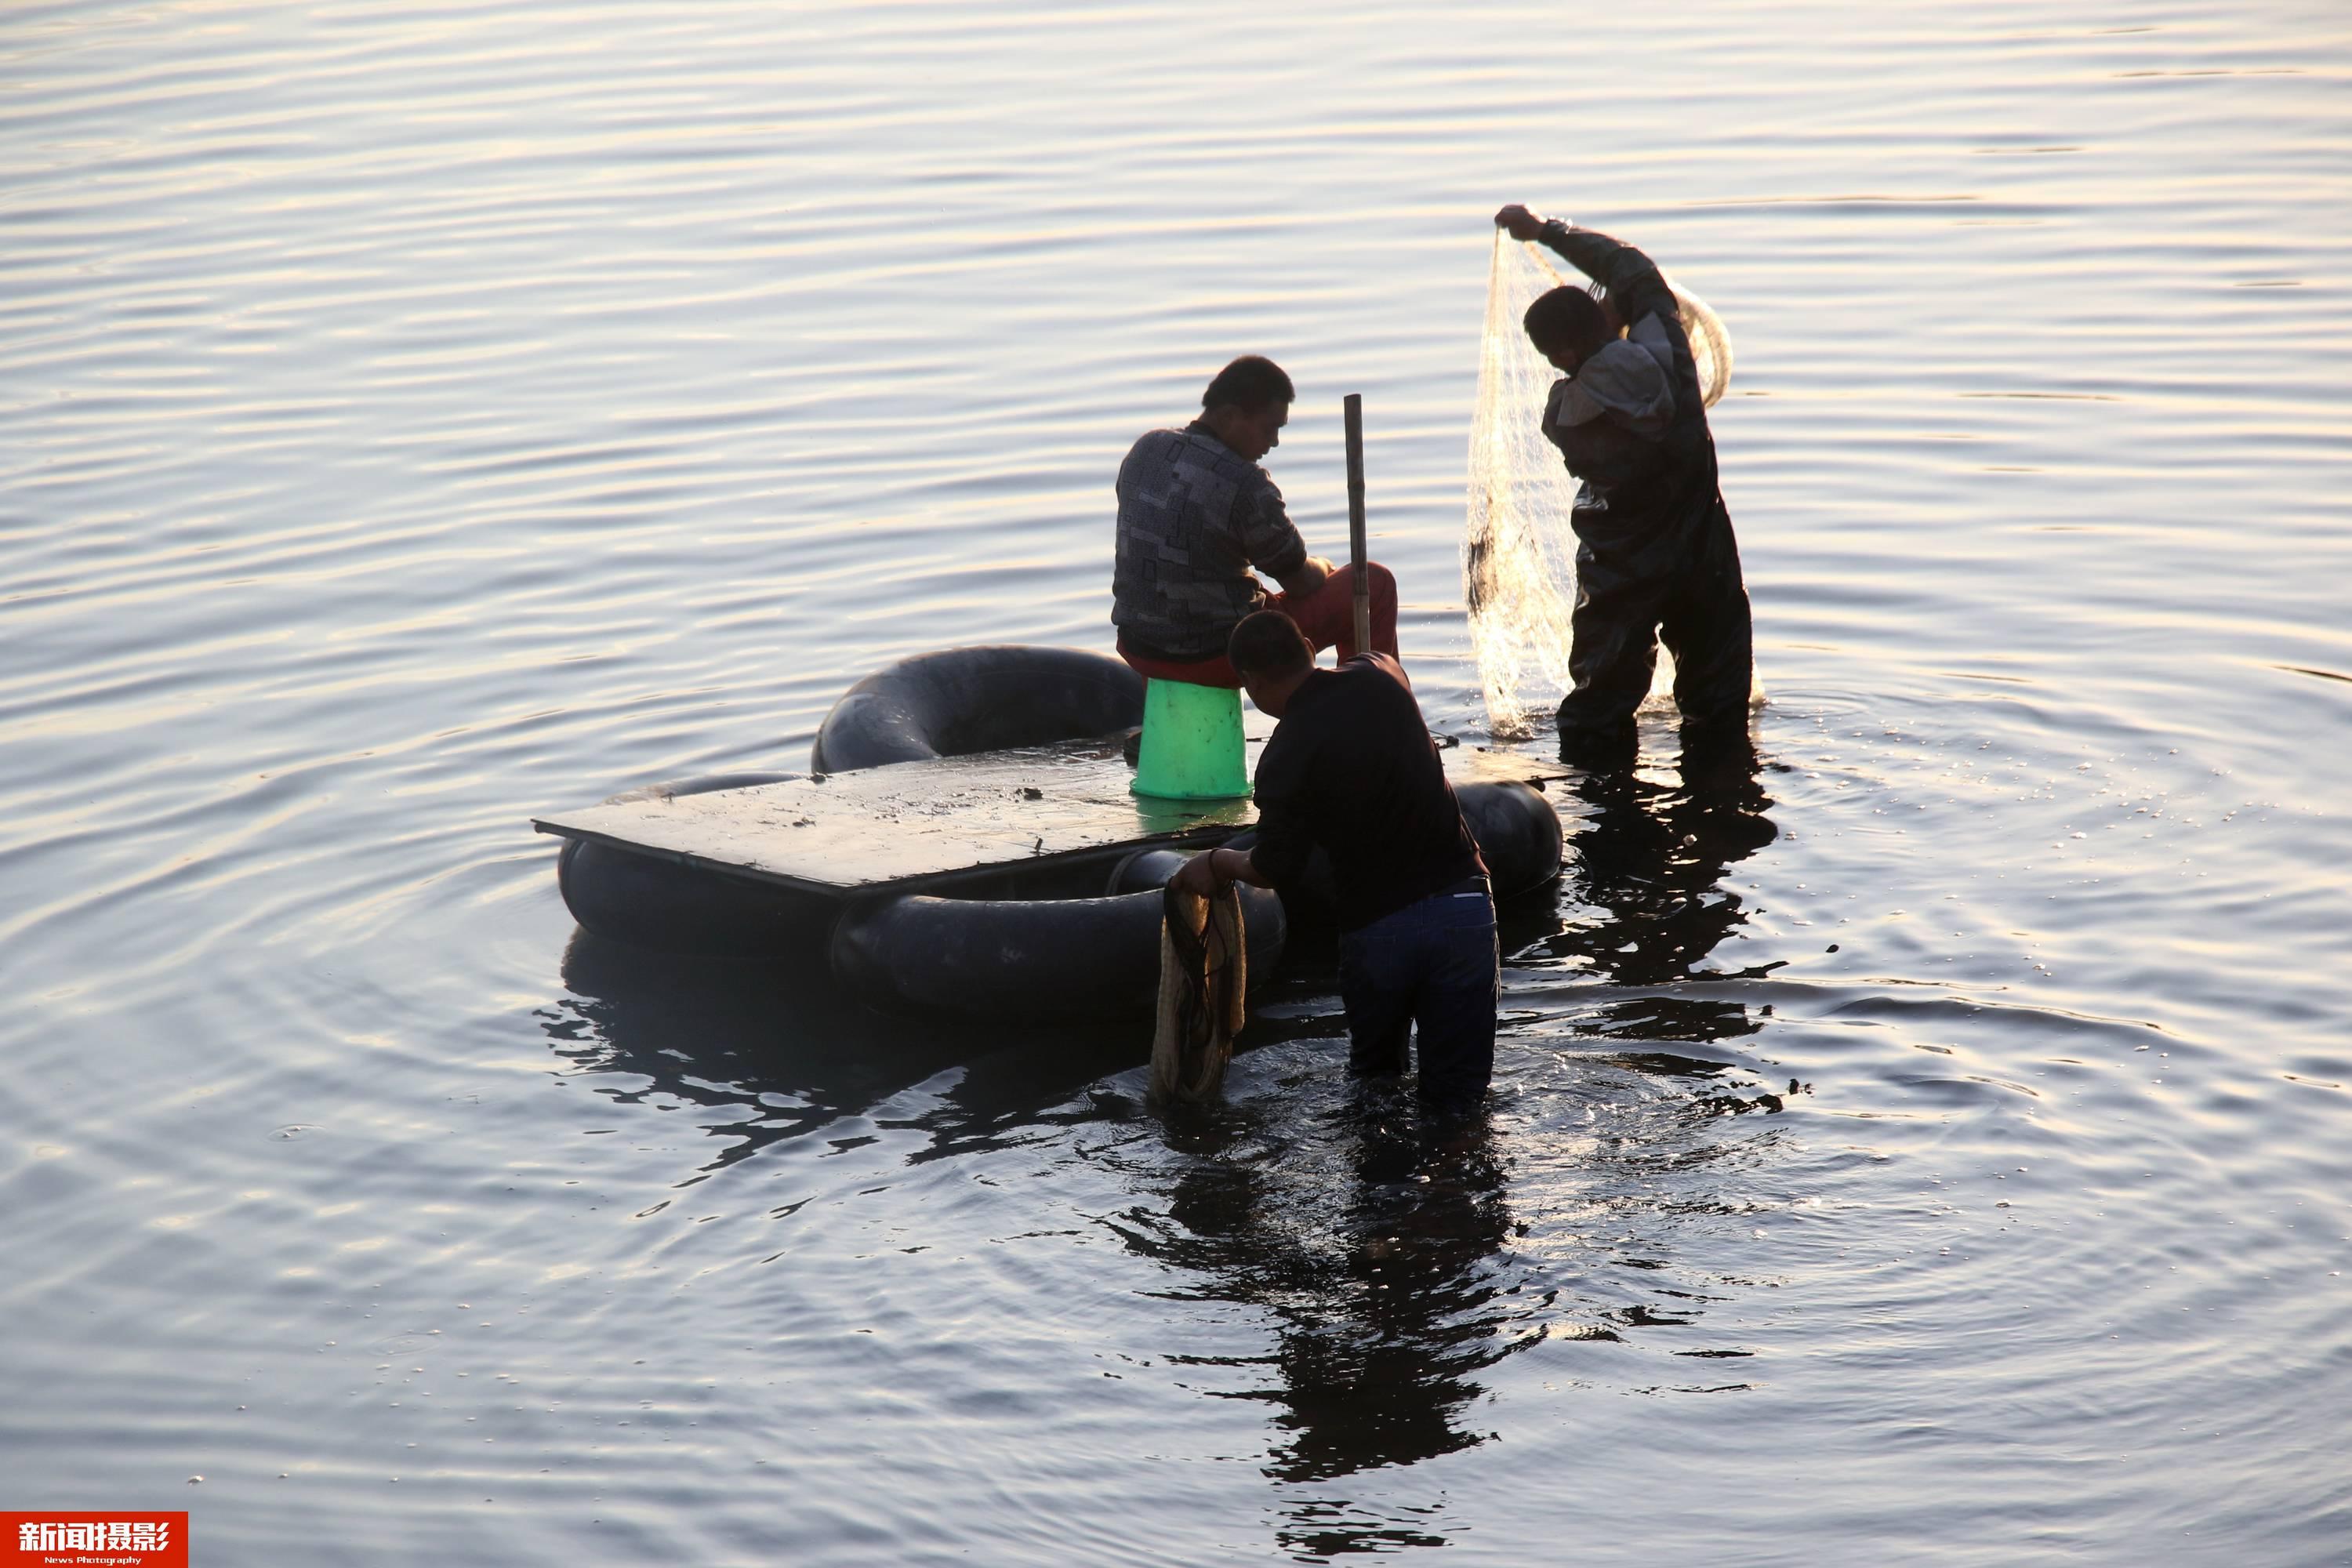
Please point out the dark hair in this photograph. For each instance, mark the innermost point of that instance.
(1566, 318)
(1269, 643)
(1252, 381)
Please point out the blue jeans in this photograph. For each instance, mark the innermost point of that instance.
(1435, 965)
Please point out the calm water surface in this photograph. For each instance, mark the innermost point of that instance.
(1929, 1144)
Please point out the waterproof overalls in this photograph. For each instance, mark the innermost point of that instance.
(1655, 558)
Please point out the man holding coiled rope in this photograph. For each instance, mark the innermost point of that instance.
(1351, 769)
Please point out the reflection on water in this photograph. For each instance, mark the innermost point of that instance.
(1377, 1286)
(1645, 879)
(777, 1051)
(1371, 1256)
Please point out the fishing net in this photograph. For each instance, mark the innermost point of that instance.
(1518, 555)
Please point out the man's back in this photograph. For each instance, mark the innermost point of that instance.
(1637, 486)
(1351, 767)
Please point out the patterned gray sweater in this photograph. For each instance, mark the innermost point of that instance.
(1194, 517)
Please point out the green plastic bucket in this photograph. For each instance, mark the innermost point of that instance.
(1192, 747)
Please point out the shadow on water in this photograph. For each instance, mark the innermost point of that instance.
(782, 1052)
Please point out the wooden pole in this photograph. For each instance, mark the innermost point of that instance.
(1354, 408)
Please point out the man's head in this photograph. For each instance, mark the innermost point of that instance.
(1567, 326)
(1247, 403)
(1272, 655)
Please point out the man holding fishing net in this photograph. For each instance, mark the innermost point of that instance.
(1655, 558)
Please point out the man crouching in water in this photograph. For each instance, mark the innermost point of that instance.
(1350, 767)
(1654, 557)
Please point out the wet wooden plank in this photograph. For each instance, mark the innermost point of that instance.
(915, 822)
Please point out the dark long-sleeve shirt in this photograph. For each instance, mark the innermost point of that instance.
(1351, 767)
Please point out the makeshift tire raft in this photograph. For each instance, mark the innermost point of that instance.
(966, 842)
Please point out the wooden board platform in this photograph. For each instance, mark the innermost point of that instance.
(914, 824)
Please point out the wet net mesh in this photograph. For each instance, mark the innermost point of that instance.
(1518, 555)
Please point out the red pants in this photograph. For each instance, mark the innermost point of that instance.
(1326, 615)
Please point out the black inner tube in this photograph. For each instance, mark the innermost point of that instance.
(1015, 959)
(648, 901)
(960, 701)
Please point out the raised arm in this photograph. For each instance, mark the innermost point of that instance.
(1635, 287)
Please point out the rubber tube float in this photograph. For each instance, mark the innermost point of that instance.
(1011, 958)
(1033, 959)
(653, 903)
(965, 699)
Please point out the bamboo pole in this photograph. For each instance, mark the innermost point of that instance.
(1354, 409)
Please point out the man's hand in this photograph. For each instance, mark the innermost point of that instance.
(1198, 876)
(1521, 223)
(1312, 574)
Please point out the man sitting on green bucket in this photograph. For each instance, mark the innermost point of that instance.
(1196, 512)
(1350, 768)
